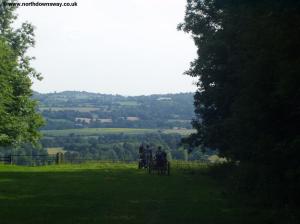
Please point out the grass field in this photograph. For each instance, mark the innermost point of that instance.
(179, 131)
(115, 193)
(101, 131)
(128, 103)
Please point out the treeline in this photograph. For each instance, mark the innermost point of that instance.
(121, 146)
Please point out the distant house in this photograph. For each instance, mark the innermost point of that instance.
(83, 119)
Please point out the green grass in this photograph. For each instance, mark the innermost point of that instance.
(179, 131)
(101, 131)
(114, 193)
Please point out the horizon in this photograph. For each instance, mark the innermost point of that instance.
(130, 47)
(114, 94)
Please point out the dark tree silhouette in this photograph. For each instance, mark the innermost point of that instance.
(247, 103)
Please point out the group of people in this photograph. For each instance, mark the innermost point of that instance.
(146, 156)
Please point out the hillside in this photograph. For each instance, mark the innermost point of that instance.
(73, 109)
(111, 127)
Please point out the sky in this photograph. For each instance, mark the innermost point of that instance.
(128, 47)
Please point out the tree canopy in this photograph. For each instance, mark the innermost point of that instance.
(247, 102)
(248, 68)
(19, 121)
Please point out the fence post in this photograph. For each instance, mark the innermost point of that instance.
(59, 158)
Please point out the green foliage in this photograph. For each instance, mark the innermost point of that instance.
(247, 103)
(18, 120)
(115, 146)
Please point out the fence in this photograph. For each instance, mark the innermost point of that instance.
(6, 159)
(60, 158)
(33, 160)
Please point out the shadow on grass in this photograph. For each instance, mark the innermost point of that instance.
(114, 194)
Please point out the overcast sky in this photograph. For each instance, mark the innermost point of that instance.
(129, 47)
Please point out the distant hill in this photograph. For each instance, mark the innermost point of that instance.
(74, 109)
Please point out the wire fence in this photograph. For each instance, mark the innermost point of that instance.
(59, 158)
(31, 160)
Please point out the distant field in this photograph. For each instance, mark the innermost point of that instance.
(101, 131)
(97, 131)
(117, 194)
(128, 103)
(179, 131)
(54, 150)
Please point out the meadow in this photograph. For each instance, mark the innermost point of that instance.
(116, 193)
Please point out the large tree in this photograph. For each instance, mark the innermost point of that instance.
(19, 121)
(248, 65)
